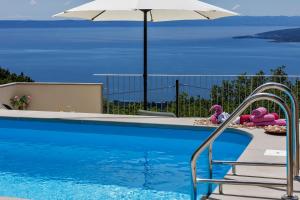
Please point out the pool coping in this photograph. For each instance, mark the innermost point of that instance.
(253, 152)
(130, 123)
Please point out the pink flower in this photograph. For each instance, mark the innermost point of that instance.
(16, 97)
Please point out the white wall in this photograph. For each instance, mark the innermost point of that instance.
(85, 98)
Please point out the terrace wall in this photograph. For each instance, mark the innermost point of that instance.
(66, 97)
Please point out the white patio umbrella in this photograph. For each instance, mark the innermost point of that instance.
(146, 10)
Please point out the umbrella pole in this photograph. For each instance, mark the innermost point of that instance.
(145, 74)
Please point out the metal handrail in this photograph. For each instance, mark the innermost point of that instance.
(248, 163)
(295, 113)
(295, 128)
(236, 163)
(224, 125)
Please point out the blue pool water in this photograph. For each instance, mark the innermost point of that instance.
(76, 160)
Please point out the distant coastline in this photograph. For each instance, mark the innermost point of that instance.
(285, 35)
(229, 21)
(72, 51)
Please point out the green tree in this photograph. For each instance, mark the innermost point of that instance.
(8, 77)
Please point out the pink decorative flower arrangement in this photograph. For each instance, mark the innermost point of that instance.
(20, 102)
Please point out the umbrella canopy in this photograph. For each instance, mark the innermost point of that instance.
(146, 10)
(133, 10)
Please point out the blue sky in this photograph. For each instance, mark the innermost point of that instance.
(44, 9)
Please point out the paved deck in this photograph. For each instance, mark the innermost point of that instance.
(254, 152)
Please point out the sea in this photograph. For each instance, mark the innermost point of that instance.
(75, 54)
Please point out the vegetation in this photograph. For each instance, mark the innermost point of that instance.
(8, 77)
(237, 90)
(228, 93)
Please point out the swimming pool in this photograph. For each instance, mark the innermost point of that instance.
(89, 160)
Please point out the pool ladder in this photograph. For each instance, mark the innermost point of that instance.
(292, 145)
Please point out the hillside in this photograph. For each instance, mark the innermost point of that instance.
(285, 35)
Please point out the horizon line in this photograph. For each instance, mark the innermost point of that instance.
(240, 16)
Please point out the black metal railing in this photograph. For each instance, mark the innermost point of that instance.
(187, 95)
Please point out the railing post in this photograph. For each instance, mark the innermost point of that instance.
(107, 94)
(145, 74)
(210, 169)
(221, 189)
(290, 155)
(233, 170)
(177, 98)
